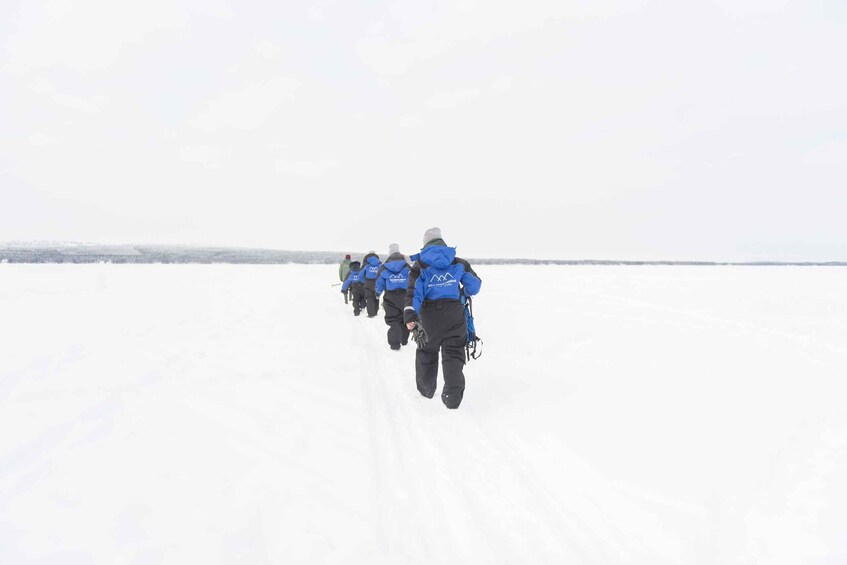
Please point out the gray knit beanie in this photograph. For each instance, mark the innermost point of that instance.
(393, 248)
(430, 234)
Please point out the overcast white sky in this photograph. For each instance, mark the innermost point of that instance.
(631, 129)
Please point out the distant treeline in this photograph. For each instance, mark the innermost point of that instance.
(151, 254)
(677, 263)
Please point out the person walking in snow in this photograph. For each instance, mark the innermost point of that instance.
(392, 279)
(433, 310)
(355, 284)
(370, 267)
(343, 271)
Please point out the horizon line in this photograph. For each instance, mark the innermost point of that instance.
(328, 257)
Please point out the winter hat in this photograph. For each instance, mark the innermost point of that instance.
(347, 256)
(430, 234)
(393, 248)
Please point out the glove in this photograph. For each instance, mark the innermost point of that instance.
(419, 335)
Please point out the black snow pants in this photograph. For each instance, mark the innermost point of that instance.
(357, 296)
(392, 303)
(370, 297)
(447, 332)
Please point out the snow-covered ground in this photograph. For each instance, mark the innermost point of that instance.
(241, 414)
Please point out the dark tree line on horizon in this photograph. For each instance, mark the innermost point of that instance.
(164, 254)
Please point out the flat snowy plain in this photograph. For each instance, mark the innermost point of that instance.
(175, 414)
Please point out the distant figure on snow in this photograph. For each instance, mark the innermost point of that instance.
(393, 279)
(355, 284)
(343, 271)
(370, 266)
(434, 311)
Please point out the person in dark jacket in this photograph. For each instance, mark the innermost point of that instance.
(343, 271)
(392, 279)
(355, 284)
(370, 267)
(433, 303)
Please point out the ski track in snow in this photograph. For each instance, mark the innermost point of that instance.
(447, 472)
(424, 473)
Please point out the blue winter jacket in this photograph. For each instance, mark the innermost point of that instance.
(440, 276)
(371, 268)
(355, 276)
(394, 276)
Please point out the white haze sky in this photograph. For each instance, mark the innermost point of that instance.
(666, 129)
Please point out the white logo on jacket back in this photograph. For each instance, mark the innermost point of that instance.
(441, 280)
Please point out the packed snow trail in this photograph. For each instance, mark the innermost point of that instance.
(442, 475)
(222, 414)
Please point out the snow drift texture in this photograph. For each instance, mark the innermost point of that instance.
(241, 414)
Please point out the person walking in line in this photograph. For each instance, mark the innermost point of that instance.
(370, 267)
(355, 284)
(392, 279)
(433, 310)
(343, 271)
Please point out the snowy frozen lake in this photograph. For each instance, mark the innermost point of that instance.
(173, 414)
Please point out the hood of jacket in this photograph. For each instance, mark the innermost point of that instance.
(372, 260)
(438, 256)
(395, 263)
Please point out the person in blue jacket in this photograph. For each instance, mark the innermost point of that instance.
(434, 310)
(392, 279)
(370, 267)
(355, 282)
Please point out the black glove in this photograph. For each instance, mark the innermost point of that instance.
(419, 335)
